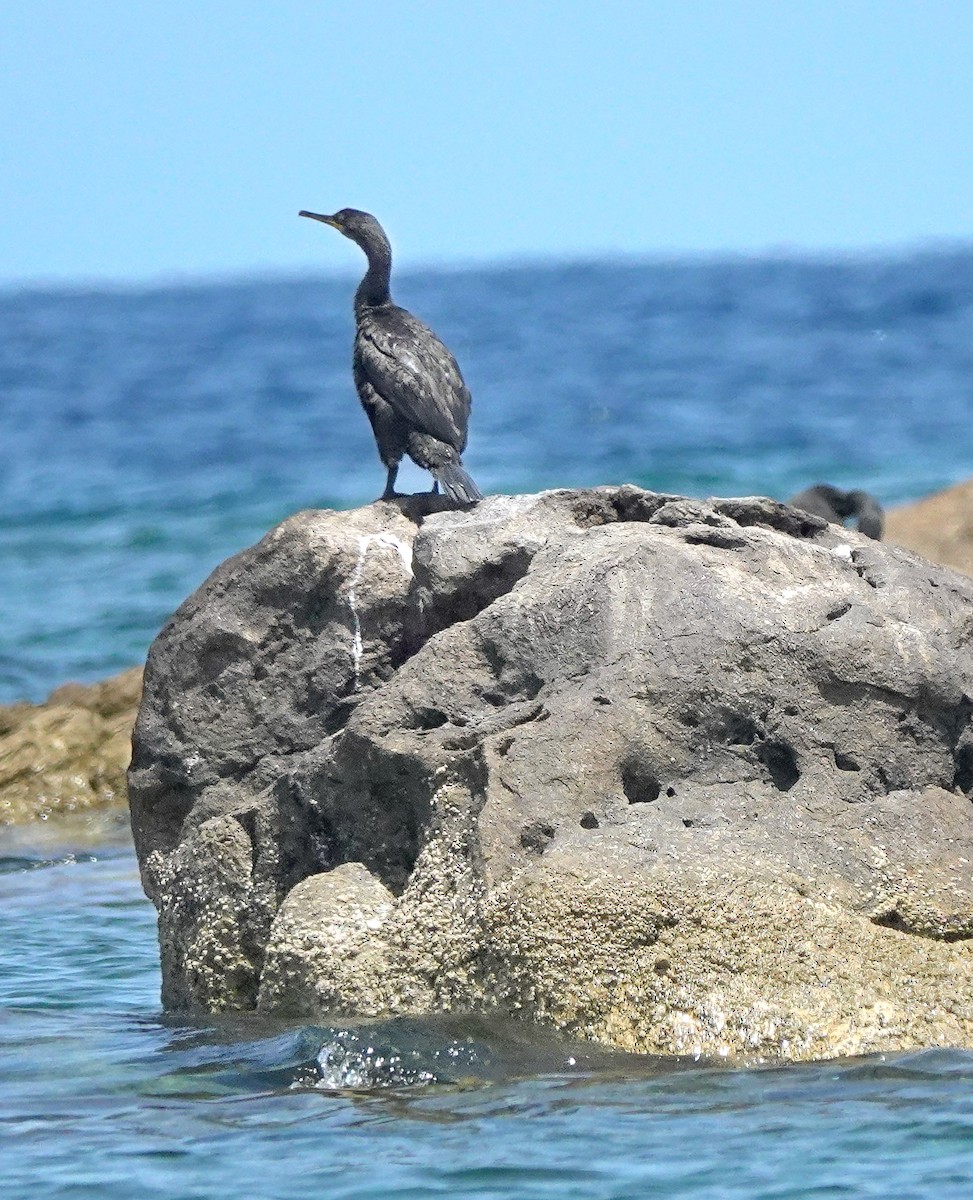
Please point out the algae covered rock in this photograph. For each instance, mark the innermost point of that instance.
(69, 754)
(675, 776)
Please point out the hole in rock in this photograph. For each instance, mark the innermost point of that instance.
(670, 791)
(688, 822)
(536, 835)
(589, 821)
(844, 762)
(963, 778)
(430, 718)
(781, 761)
(639, 782)
(740, 730)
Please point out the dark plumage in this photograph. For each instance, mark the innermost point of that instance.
(408, 382)
(829, 502)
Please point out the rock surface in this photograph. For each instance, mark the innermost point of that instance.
(672, 775)
(940, 527)
(69, 754)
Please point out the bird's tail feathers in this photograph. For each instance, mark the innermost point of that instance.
(457, 483)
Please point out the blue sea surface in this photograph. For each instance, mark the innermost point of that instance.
(147, 434)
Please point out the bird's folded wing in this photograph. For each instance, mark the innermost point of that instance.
(412, 370)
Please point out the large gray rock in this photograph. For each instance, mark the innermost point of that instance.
(670, 775)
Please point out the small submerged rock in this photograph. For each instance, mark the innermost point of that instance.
(676, 776)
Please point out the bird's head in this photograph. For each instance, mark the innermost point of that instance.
(361, 227)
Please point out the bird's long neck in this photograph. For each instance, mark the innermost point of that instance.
(374, 288)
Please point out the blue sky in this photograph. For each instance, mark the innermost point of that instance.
(147, 139)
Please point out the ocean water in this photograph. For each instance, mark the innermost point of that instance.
(147, 434)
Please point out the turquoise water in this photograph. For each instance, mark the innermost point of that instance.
(146, 435)
(101, 1096)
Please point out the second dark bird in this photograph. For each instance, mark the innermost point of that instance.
(408, 382)
(834, 505)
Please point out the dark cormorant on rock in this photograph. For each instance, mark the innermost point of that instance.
(408, 382)
(829, 502)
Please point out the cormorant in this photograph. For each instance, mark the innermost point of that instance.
(408, 382)
(829, 502)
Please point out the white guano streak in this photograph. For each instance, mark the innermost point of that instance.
(388, 542)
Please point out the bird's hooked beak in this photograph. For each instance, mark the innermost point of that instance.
(320, 217)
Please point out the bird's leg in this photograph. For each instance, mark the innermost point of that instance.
(434, 490)
(390, 493)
